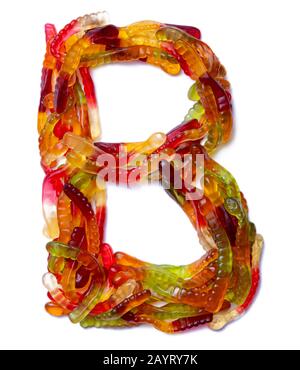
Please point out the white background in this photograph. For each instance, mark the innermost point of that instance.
(258, 42)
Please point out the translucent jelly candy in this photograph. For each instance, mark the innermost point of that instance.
(86, 279)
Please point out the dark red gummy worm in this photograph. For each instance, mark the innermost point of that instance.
(191, 322)
(222, 99)
(79, 200)
(107, 35)
(61, 93)
(78, 238)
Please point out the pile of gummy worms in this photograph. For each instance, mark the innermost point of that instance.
(86, 280)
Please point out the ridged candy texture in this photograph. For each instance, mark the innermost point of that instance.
(86, 280)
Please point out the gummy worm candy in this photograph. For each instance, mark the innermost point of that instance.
(86, 279)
